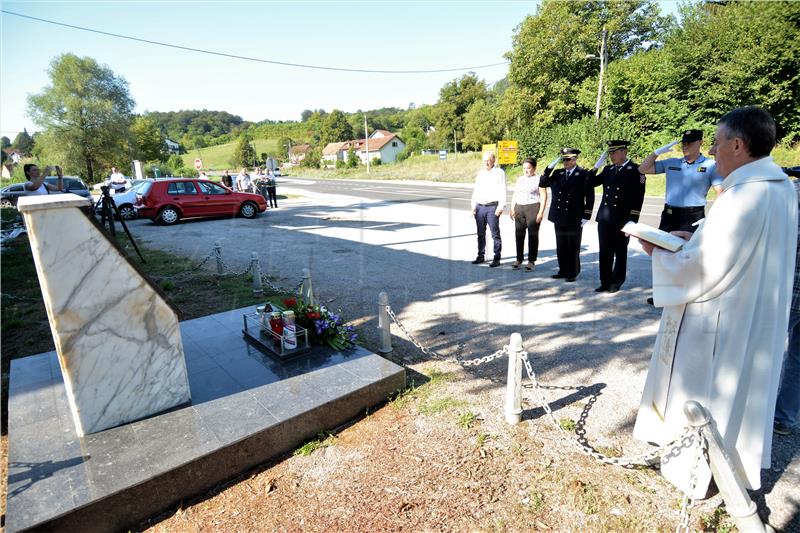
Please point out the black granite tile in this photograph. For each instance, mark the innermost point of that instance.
(211, 384)
(34, 403)
(367, 367)
(247, 371)
(235, 417)
(201, 364)
(30, 371)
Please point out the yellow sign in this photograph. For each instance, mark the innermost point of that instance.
(489, 148)
(507, 152)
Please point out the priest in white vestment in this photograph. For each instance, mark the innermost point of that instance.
(726, 297)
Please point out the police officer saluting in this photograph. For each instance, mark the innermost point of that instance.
(688, 180)
(570, 209)
(623, 195)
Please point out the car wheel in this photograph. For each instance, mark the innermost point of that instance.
(169, 215)
(5, 202)
(248, 210)
(127, 212)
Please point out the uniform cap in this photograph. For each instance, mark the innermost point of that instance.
(617, 144)
(569, 152)
(690, 136)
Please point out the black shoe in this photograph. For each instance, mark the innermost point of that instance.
(478, 260)
(614, 288)
(570, 279)
(601, 288)
(650, 301)
(495, 263)
(779, 428)
(558, 276)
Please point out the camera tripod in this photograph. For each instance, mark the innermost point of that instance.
(108, 208)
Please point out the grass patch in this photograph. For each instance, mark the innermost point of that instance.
(585, 497)
(718, 521)
(402, 398)
(466, 419)
(323, 440)
(220, 157)
(567, 424)
(441, 404)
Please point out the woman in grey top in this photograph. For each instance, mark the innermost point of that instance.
(528, 206)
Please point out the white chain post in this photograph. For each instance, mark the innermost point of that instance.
(307, 293)
(514, 383)
(731, 486)
(218, 255)
(256, 269)
(384, 322)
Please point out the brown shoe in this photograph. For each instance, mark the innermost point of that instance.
(515, 265)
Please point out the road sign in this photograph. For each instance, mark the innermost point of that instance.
(489, 148)
(198, 164)
(442, 154)
(507, 152)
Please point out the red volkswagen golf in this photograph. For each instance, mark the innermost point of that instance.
(168, 201)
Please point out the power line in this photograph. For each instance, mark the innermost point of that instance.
(246, 58)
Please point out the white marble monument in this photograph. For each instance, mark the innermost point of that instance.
(118, 342)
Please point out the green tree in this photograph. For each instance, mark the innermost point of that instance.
(455, 98)
(336, 128)
(352, 158)
(5, 142)
(305, 115)
(549, 56)
(85, 112)
(147, 139)
(244, 155)
(480, 125)
(23, 142)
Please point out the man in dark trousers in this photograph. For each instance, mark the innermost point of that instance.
(623, 195)
(570, 209)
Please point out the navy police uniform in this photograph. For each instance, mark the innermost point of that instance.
(572, 201)
(623, 195)
(687, 187)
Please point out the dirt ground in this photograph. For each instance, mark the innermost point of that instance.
(440, 457)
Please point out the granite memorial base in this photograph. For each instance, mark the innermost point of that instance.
(246, 408)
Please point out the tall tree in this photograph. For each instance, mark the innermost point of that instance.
(85, 113)
(5, 142)
(549, 55)
(480, 125)
(148, 140)
(23, 142)
(244, 155)
(336, 128)
(455, 98)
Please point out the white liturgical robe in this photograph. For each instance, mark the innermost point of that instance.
(722, 336)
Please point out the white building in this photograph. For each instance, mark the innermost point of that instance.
(383, 144)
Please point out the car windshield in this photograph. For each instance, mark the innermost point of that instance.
(143, 188)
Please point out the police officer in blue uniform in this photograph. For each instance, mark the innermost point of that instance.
(623, 195)
(570, 209)
(688, 180)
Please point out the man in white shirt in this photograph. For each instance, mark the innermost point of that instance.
(243, 182)
(488, 201)
(118, 181)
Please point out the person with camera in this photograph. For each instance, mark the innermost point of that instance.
(36, 185)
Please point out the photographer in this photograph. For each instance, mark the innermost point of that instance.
(36, 184)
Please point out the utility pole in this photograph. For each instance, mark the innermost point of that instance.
(366, 140)
(603, 61)
(455, 144)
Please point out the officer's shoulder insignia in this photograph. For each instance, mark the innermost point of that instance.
(701, 169)
(642, 178)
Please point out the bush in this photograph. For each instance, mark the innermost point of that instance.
(375, 161)
(313, 159)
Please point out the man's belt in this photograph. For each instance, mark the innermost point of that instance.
(673, 210)
(490, 204)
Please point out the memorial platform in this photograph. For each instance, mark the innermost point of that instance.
(246, 409)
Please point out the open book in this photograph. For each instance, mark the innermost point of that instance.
(662, 239)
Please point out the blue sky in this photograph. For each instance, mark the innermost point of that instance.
(371, 35)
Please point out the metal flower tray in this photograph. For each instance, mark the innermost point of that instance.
(269, 342)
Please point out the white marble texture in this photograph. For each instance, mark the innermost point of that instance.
(118, 342)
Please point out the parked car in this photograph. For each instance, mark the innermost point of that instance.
(168, 201)
(126, 200)
(73, 184)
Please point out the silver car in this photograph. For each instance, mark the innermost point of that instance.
(73, 184)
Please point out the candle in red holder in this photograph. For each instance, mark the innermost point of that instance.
(276, 325)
